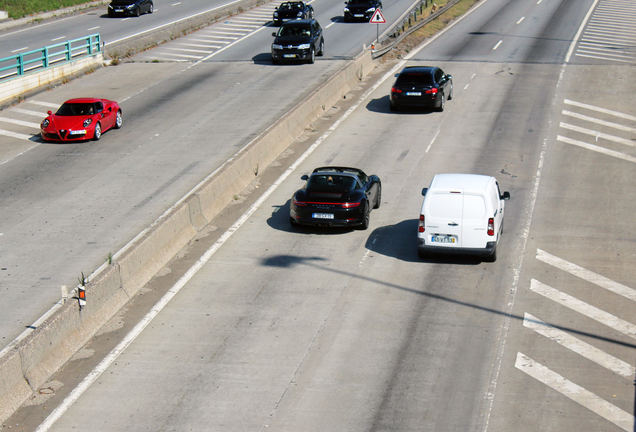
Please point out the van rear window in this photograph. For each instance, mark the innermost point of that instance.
(446, 206)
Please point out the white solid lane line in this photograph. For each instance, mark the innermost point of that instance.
(575, 392)
(578, 346)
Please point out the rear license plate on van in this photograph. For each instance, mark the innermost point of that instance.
(322, 216)
(442, 239)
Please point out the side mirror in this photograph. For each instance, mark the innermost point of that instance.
(305, 177)
(424, 191)
(274, 34)
(506, 195)
(49, 112)
(449, 77)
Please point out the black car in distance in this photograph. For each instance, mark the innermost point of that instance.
(336, 197)
(360, 10)
(298, 40)
(130, 7)
(294, 10)
(421, 86)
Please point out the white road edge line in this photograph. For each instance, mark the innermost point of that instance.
(578, 33)
(575, 392)
(578, 346)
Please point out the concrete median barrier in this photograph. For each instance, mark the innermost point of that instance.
(33, 360)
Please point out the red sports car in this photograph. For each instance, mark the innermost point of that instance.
(81, 119)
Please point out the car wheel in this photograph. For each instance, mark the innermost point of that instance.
(450, 93)
(118, 120)
(312, 56)
(321, 52)
(378, 199)
(151, 9)
(274, 61)
(421, 254)
(98, 131)
(110, 14)
(366, 219)
(292, 222)
(441, 104)
(392, 107)
(138, 11)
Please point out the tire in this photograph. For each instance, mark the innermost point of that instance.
(442, 103)
(138, 11)
(450, 93)
(111, 14)
(378, 199)
(366, 219)
(392, 107)
(98, 132)
(292, 222)
(321, 52)
(119, 120)
(312, 56)
(421, 254)
(152, 8)
(274, 61)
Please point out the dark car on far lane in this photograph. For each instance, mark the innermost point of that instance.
(336, 197)
(130, 7)
(421, 86)
(298, 40)
(294, 10)
(360, 10)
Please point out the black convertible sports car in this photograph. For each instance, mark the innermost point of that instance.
(294, 10)
(336, 196)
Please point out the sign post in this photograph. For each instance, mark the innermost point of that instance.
(378, 19)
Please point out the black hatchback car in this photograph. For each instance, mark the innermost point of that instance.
(130, 7)
(298, 40)
(294, 10)
(360, 10)
(421, 86)
(336, 197)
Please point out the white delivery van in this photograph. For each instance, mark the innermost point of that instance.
(461, 213)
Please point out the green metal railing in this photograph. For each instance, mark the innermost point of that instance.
(52, 55)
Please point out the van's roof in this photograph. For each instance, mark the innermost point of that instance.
(467, 182)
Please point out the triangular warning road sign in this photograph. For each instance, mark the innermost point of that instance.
(377, 17)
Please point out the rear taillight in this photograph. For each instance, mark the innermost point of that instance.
(491, 226)
(431, 91)
(421, 227)
(300, 203)
(348, 205)
(395, 90)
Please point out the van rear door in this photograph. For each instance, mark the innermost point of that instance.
(443, 221)
(475, 222)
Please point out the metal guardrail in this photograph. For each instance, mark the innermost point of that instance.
(400, 31)
(49, 56)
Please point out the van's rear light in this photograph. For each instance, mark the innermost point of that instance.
(350, 204)
(491, 226)
(431, 91)
(421, 227)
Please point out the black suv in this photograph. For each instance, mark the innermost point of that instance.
(298, 40)
(360, 10)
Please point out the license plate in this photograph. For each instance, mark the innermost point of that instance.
(358, 15)
(322, 216)
(78, 132)
(442, 239)
(119, 10)
(414, 93)
(289, 55)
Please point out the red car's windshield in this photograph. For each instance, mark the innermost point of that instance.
(75, 109)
